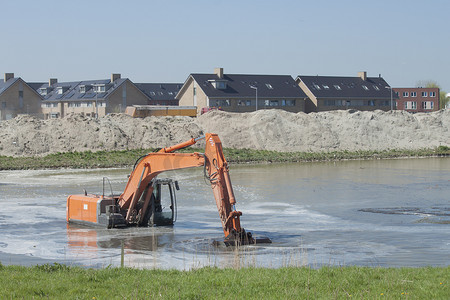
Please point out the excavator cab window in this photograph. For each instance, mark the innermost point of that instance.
(163, 203)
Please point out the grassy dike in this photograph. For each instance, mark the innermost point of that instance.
(124, 158)
(62, 282)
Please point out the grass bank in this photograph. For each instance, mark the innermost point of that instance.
(107, 159)
(62, 282)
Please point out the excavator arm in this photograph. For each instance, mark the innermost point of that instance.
(216, 171)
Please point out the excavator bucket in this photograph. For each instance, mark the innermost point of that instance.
(240, 239)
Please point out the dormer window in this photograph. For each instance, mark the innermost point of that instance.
(61, 89)
(84, 88)
(219, 84)
(45, 91)
(99, 88)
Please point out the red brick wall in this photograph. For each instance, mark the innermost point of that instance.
(417, 99)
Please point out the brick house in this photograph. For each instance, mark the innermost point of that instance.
(17, 97)
(89, 97)
(336, 92)
(241, 93)
(417, 99)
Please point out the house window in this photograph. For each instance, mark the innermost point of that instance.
(326, 87)
(413, 94)
(220, 103)
(376, 87)
(89, 104)
(54, 115)
(43, 91)
(55, 104)
(410, 105)
(337, 87)
(432, 94)
(427, 105)
(100, 88)
(248, 102)
(59, 90)
(290, 102)
(269, 86)
(3, 104)
(266, 102)
(365, 87)
(48, 104)
(273, 102)
(316, 86)
(82, 89)
(221, 85)
(424, 94)
(329, 103)
(371, 103)
(405, 94)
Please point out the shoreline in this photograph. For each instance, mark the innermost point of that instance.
(127, 158)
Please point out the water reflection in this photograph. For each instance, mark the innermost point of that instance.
(144, 239)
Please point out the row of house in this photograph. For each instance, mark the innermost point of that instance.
(229, 92)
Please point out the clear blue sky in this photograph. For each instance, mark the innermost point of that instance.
(165, 41)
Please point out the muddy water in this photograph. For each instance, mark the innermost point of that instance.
(369, 213)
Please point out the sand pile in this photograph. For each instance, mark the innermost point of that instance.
(328, 131)
(265, 129)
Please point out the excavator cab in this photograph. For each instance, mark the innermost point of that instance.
(163, 203)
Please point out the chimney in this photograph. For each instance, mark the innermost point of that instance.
(52, 81)
(8, 76)
(219, 72)
(114, 77)
(362, 75)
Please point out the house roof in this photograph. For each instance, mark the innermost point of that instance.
(346, 87)
(239, 85)
(160, 91)
(71, 91)
(5, 85)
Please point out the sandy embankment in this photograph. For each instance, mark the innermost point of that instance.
(265, 129)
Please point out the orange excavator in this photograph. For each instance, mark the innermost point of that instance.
(141, 202)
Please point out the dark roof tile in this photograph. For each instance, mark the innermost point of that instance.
(239, 85)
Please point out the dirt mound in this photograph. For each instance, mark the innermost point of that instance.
(328, 131)
(265, 129)
(26, 135)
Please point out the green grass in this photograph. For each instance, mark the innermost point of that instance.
(108, 159)
(62, 282)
